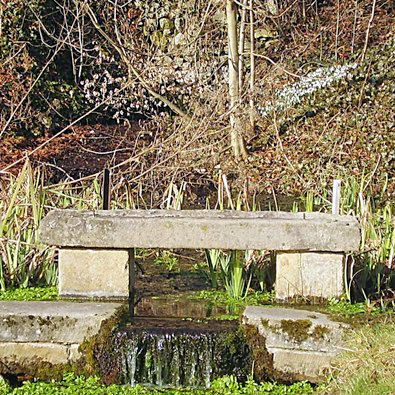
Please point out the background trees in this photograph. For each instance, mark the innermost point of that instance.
(125, 61)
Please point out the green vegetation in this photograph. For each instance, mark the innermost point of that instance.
(167, 260)
(234, 305)
(344, 307)
(367, 367)
(72, 385)
(30, 294)
(369, 271)
(25, 262)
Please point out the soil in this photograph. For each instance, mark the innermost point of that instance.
(83, 151)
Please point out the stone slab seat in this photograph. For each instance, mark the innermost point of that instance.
(94, 244)
(235, 230)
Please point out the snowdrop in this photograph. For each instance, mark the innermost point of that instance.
(292, 95)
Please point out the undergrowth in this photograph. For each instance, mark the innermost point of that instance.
(367, 366)
(30, 294)
(72, 385)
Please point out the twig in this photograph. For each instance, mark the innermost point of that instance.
(275, 64)
(243, 5)
(105, 152)
(337, 29)
(252, 70)
(18, 106)
(368, 31)
(131, 68)
(59, 133)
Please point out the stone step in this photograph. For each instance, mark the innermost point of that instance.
(37, 333)
(301, 344)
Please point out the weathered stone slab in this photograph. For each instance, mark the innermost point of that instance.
(302, 343)
(28, 353)
(94, 273)
(236, 230)
(309, 274)
(33, 334)
(302, 365)
(52, 322)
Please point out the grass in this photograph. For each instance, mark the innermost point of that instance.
(345, 308)
(73, 385)
(367, 366)
(30, 294)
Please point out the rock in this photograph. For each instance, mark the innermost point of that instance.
(37, 335)
(124, 229)
(309, 275)
(296, 344)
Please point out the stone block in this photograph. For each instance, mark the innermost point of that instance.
(28, 353)
(302, 365)
(52, 322)
(289, 328)
(94, 273)
(309, 275)
(236, 230)
(302, 343)
(33, 333)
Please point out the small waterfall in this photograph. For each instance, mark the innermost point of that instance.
(175, 353)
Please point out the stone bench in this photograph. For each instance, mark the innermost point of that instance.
(96, 248)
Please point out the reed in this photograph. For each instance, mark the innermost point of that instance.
(25, 199)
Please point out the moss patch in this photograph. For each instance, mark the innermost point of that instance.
(296, 330)
(319, 332)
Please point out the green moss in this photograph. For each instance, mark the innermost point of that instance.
(296, 330)
(319, 332)
(98, 353)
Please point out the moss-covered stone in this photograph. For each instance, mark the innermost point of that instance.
(296, 330)
(262, 359)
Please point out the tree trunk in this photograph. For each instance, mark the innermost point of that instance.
(237, 140)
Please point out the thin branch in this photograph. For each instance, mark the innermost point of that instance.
(276, 64)
(60, 132)
(368, 31)
(130, 66)
(252, 71)
(241, 45)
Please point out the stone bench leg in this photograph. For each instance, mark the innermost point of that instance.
(309, 274)
(90, 273)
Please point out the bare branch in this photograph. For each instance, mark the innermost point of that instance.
(130, 66)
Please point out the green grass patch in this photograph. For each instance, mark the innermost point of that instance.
(72, 385)
(345, 308)
(367, 366)
(30, 294)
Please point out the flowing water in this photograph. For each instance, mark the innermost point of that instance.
(172, 352)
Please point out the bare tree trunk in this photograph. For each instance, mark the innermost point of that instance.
(237, 141)
(252, 73)
(241, 46)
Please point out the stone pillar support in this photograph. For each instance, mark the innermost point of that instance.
(309, 275)
(94, 273)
